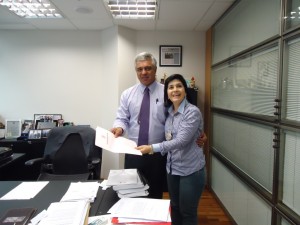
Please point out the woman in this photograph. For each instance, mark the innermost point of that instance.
(185, 160)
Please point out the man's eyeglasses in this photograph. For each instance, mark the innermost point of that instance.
(146, 68)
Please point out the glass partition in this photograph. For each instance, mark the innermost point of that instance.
(291, 171)
(251, 22)
(292, 15)
(247, 145)
(292, 80)
(248, 85)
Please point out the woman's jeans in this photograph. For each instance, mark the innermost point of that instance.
(185, 193)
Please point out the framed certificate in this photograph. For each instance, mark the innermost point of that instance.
(13, 128)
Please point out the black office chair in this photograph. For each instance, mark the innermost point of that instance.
(70, 154)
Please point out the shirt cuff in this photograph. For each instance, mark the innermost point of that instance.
(156, 148)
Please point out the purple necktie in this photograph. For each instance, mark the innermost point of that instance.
(144, 119)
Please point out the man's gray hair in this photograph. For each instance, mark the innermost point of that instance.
(145, 56)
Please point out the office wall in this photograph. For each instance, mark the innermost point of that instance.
(81, 74)
(193, 55)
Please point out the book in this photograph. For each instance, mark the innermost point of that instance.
(107, 140)
(17, 216)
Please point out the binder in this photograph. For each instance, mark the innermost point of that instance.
(17, 216)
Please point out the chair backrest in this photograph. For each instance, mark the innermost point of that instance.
(70, 149)
(70, 158)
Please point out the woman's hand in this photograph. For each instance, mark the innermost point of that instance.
(145, 149)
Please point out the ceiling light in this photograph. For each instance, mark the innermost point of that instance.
(132, 9)
(32, 8)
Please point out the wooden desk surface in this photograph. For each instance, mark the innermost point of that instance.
(53, 192)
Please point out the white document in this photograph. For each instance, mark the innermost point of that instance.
(124, 186)
(106, 140)
(141, 208)
(25, 190)
(122, 176)
(133, 194)
(81, 191)
(133, 190)
(66, 213)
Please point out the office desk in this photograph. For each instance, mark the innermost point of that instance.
(53, 192)
(13, 158)
(8, 166)
(31, 149)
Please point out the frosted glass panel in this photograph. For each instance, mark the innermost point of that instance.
(284, 222)
(292, 14)
(291, 171)
(247, 145)
(241, 202)
(293, 80)
(249, 85)
(249, 23)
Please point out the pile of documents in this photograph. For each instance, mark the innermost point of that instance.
(73, 208)
(141, 211)
(81, 191)
(73, 213)
(128, 183)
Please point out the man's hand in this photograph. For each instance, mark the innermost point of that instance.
(117, 131)
(201, 140)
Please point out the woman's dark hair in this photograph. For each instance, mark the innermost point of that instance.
(179, 77)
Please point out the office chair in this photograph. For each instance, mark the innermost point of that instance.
(70, 154)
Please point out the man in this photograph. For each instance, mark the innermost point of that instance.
(128, 121)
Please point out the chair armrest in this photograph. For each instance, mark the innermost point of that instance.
(95, 161)
(34, 161)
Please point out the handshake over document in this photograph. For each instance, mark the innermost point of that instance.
(106, 140)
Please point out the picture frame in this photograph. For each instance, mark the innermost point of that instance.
(13, 128)
(46, 121)
(35, 134)
(170, 55)
(27, 125)
(45, 133)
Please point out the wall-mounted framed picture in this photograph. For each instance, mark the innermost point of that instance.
(46, 121)
(170, 55)
(35, 134)
(13, 128)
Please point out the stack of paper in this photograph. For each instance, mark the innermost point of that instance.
(141, 211)
(67, 213)
(81, 191)
(128, 183)
(73, 208)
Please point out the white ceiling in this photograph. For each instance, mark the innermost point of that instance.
(174, 15)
